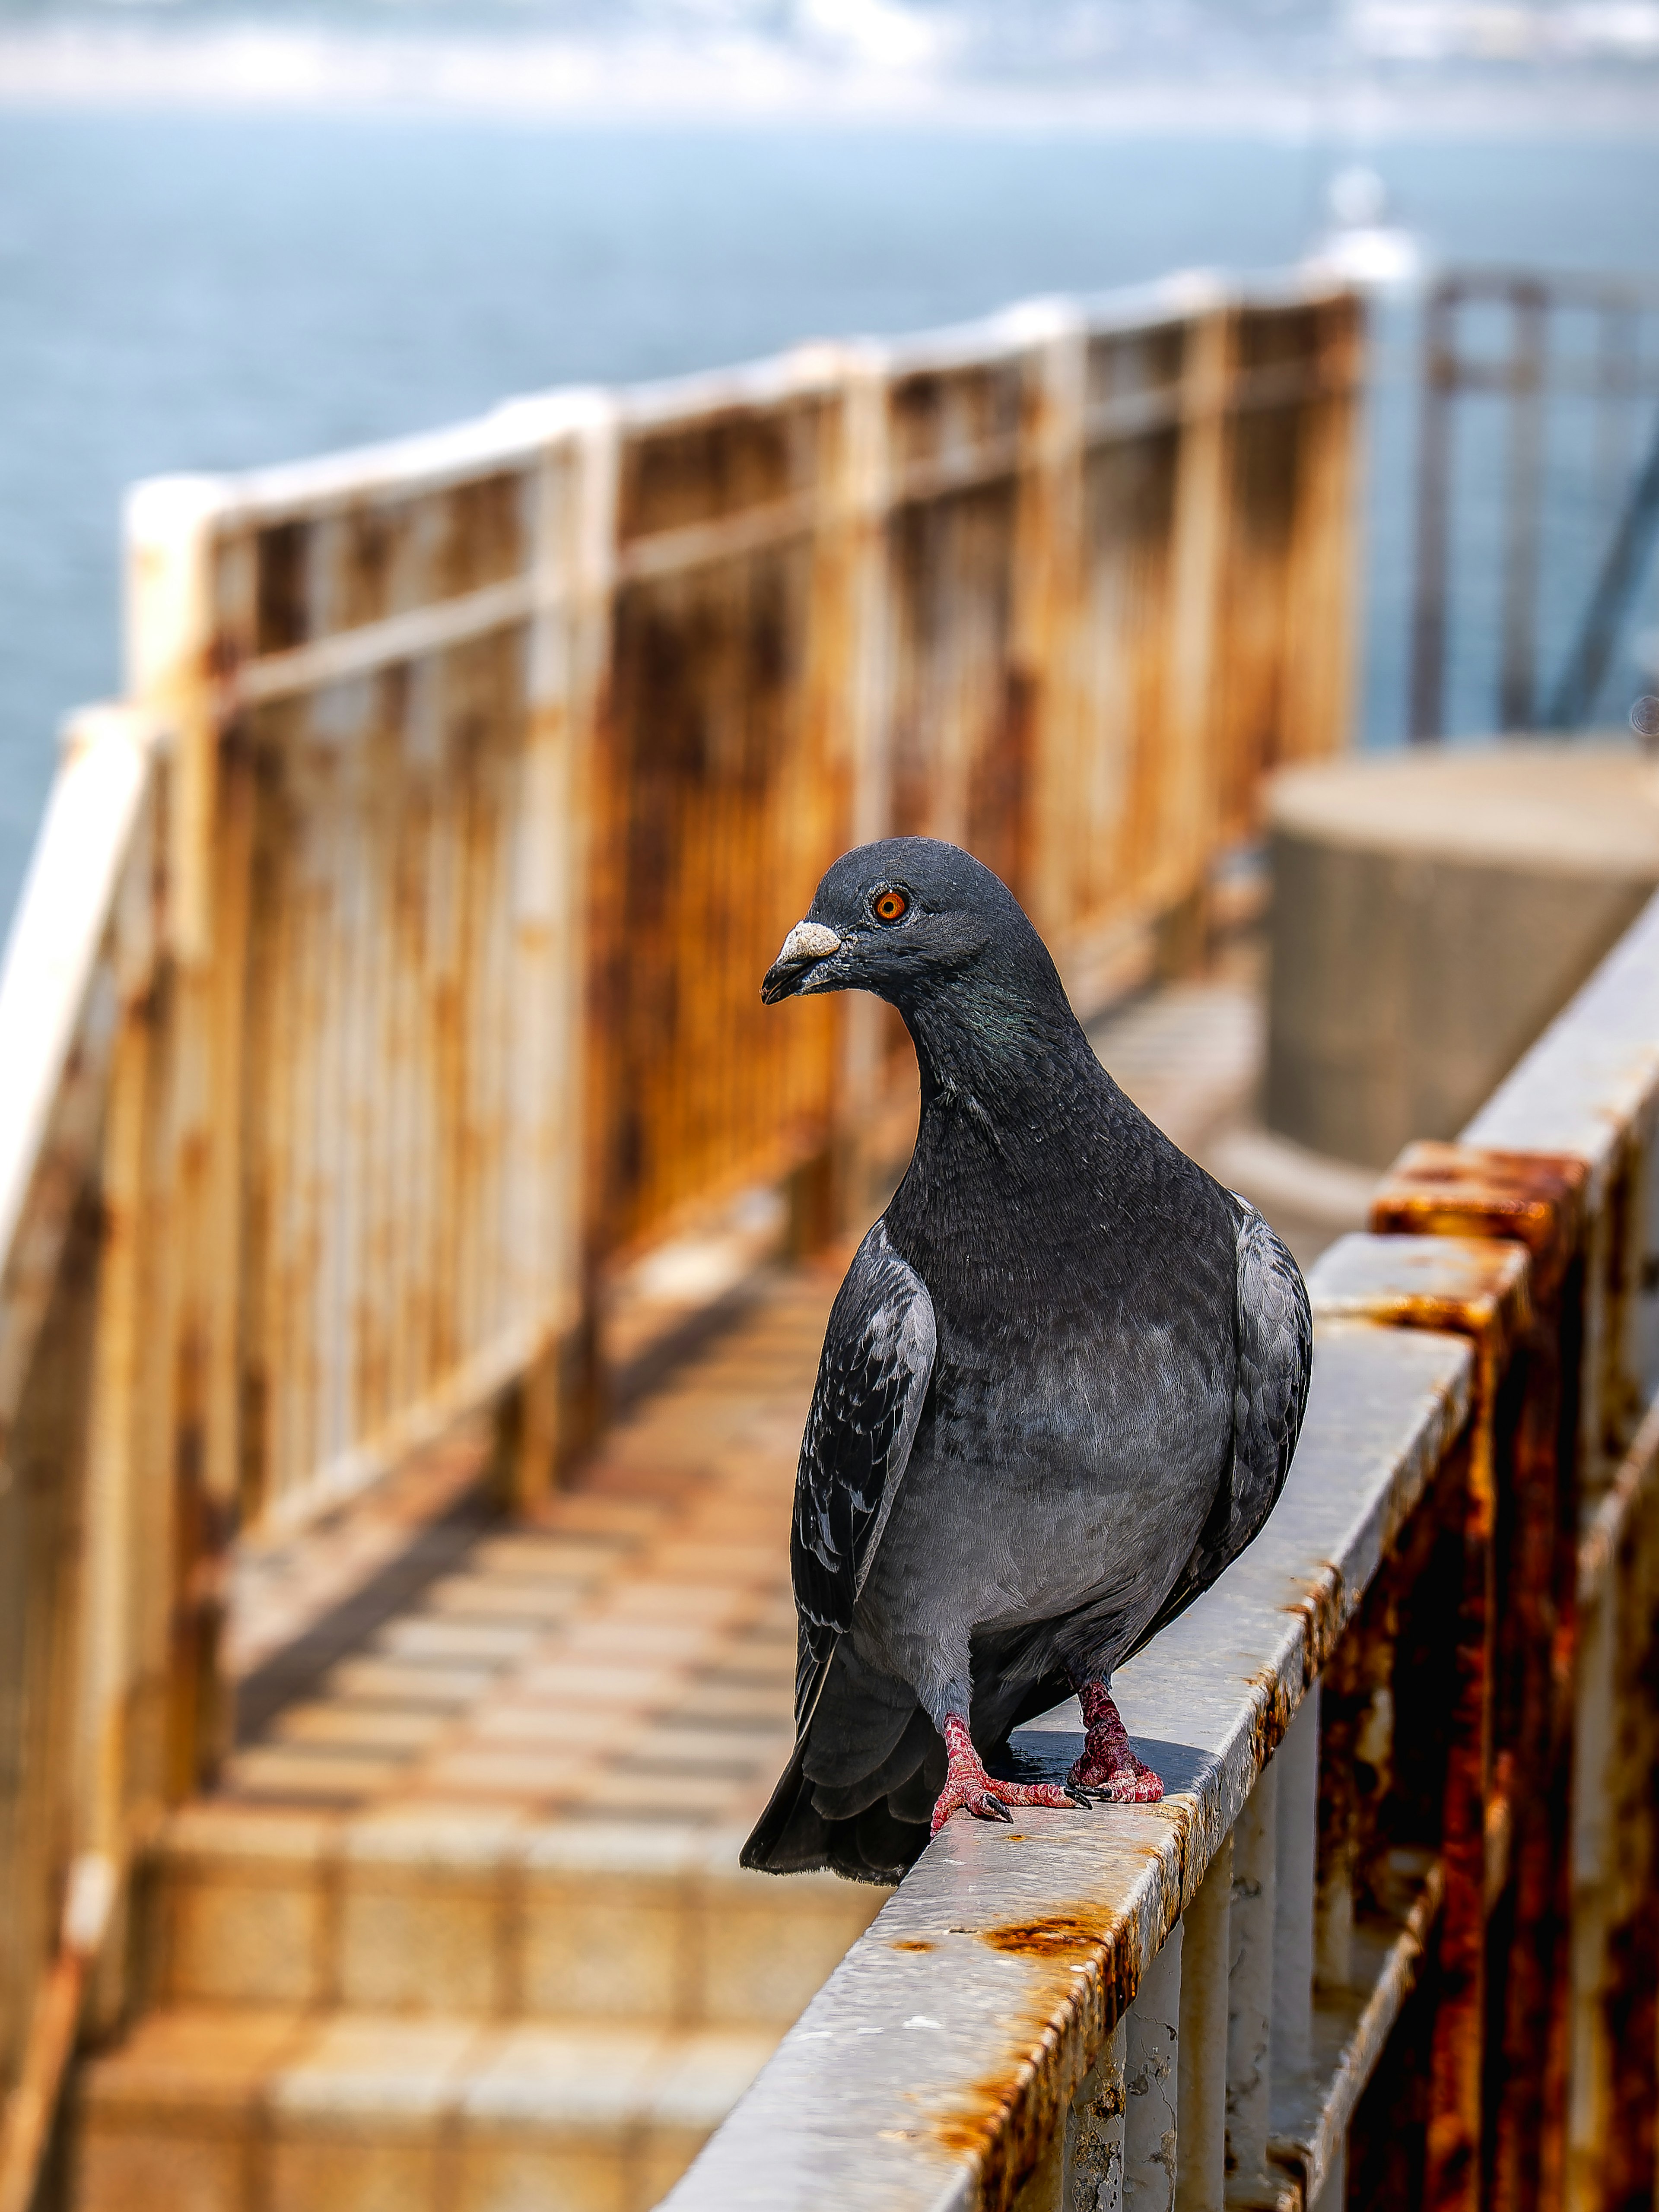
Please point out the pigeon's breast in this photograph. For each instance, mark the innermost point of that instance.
(1059, 1466)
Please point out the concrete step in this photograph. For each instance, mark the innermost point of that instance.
(488, 1913)
(462, 1926)
(217, 2109)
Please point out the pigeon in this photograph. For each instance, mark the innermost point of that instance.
(1059, 1389)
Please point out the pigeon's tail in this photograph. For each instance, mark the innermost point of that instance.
(794, 1835)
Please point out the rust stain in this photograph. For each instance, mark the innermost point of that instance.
(911, 1943)
(1057, 1936)
(1322, 1609)
(1006, 2119)
(1536, 1198)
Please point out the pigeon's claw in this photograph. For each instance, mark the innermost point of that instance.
(1134, 1784)
(1108, 1768)
(970, 1789)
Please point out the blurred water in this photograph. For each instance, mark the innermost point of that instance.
(198, 292)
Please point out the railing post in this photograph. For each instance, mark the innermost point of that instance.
(1536, 1199)
(1612, 2150)
(552, 1409)
(1152, 2083)
(1251, 1990)
(185, 619)
(1517, 679)
(1048, 579)
(1201, 2169)
(1317, 669)
(860, 675)
(1440, 381)
(1298, 1761)
(1095, 2131)
(119, 1521)
(1188, 800)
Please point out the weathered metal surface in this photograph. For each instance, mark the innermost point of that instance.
(495, 763)
(1251, 1990)
(1537, 1200)
(1201, 2164)
(1482, 1288)
(73, 1018)
(1152, 2082)
(942, 2055)
(1351, 2023)
(1611, 2156)
(1589, 1088)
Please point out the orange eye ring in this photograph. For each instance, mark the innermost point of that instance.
(890, 906)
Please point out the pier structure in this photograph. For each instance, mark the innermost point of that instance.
(414, 1240)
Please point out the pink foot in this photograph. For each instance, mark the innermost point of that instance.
(1108, 1764)
(968, 1787)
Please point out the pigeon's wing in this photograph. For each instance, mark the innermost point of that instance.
(1273, 1327)
(872, 1378)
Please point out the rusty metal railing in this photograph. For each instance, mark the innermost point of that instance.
(1537, 495)
(387, 972)
(1390, 1939)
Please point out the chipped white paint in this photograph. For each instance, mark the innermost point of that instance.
(1251, 1984)
(1151, 2082)
(1202, 2171)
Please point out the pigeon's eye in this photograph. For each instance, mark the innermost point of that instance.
(890, 906)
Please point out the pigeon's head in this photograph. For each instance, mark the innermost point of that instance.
(906, 919)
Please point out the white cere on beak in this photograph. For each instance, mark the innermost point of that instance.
(809, 940)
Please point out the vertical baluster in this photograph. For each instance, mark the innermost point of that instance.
(1093, 2131)
(1516, 683)
(1298, 1762)
(1440, 371)
(864, 704)
(1250, 1986)
(1187, 802)
(1152, 2084)
(1201, 2176)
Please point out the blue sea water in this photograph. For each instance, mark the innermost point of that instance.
(195, 291)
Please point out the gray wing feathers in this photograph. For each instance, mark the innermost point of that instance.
(872, 1380)
(1275, 1360)
(1273, 1336)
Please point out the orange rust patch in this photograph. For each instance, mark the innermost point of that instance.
(1004, 2119)
(978, 2121)
(1059, 1937)
(913, 1944)
(1480, 1316)
(1535, 1199)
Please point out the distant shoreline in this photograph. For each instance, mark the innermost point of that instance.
(742, 82)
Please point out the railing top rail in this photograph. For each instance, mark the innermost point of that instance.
(956, 2030)
(52, 954)
(1568, 288)
(513, 433)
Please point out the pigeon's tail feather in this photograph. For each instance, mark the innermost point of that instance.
(794, 1836)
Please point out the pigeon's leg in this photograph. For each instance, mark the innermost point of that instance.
(1108, 1765)
(967, 1784)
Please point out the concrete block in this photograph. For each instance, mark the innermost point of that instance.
(1432, 913)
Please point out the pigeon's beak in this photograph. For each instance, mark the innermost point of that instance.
(806, 945)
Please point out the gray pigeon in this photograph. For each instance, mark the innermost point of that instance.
(1060, 1388)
